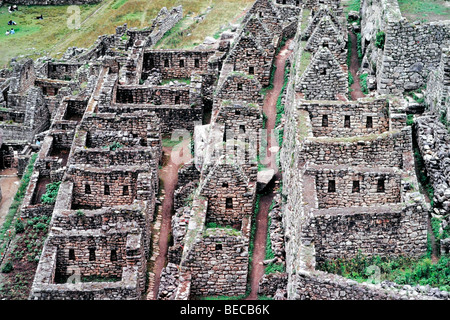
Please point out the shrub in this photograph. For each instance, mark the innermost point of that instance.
(363, 82)
(19, 227)
(49, 197)
(7, 267)
(380, 39)
(115, 145)
(350, 79)
(80, 213)
(409, 119)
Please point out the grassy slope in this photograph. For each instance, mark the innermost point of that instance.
(52, 36)
(430, 10)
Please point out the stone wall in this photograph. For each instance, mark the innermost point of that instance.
(411, 51)
(364, 117)
(433, 140)
(97, 188)
(271, 283)
(384, 231)
(240, 87)
(164, 21)
(157, 95)
(229, 196)
(63, 71)
(317, 285)
(176, 64)
(346, 194)
(172, 117)
(327, 33)
(248, 56)
(310, 4)
(324, 78)
(131, 129)
(437, 95)
(385, 150)
(219, 264)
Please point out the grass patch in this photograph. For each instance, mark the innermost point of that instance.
(401, 270)
(352, 5)
(116, 5)
(305, 59)
(169, 143)
(424, 10)
(305, 16)
(15, 205)
(280, 105)
(422, 175)
(52, 36)
(167, 81)
(380, 39)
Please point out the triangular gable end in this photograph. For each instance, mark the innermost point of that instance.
(324, 71)
(324, 29)
(322, 12)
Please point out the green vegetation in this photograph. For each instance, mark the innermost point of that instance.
(251, 245)
(280, 105)
(380, 39)
(113, 146)
(53, 35)
(49, 197)
(305, 60)
(443, 119)
(417, 95)
(305, 16)
(169, 143)
(80, 213)
(7, 267)
(350, 79)
(436, 225)
(363, 82)
(422, 176)
(359, 47)
(167, 81)
(19, 226)
(271, 267)
(15, 205)
(425, 10)
(352, 5)
(99, 279)
(401, 270)
(229, 230)
(270, 86)
(23, 257)
(410, 119)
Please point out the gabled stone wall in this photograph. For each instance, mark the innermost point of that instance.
(324, 78)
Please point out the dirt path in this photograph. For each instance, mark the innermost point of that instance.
(169, 177)
(354, 67)
(269, 108)
(9, 183)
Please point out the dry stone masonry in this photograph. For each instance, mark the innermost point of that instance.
(99, 120)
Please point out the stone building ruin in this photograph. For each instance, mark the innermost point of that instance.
(101, 121)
